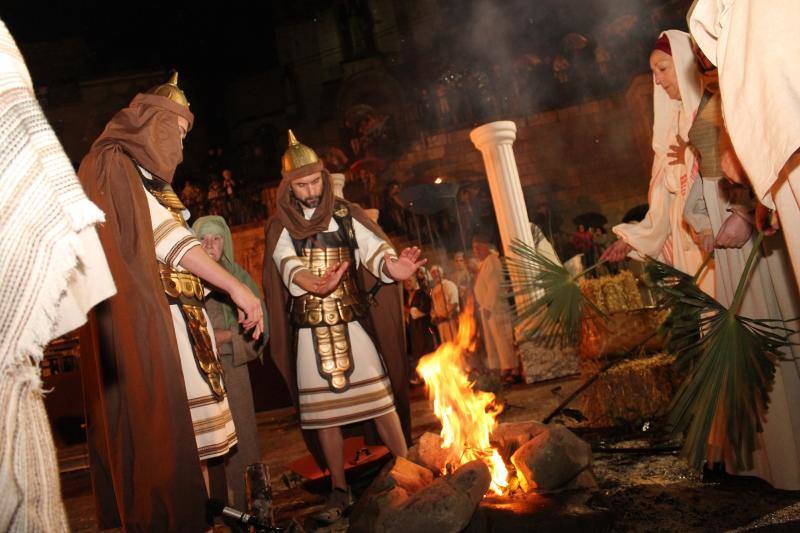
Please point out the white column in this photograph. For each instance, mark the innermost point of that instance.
(337, 180)
(494, 141)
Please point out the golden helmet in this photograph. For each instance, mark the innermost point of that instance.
(171, 90)
(298, 156)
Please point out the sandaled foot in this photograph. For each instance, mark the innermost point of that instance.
(339, 501)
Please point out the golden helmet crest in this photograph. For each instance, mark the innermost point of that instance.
(297, 155)
(171, 90)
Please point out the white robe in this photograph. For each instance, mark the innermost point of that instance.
(370, 393)
(768, 295)
(498, 330)
(52, 271)
(663, 234)
(212, 421)
(755, 47)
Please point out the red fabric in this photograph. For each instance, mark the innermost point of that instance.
(663, 44)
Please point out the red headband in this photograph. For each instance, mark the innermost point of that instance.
(663, 44)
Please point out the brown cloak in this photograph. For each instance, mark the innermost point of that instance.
(145, 468)
(386, 318)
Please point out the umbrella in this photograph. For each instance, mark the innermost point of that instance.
(590, 220)
(427, 199)
(636, 214)
(372, 165)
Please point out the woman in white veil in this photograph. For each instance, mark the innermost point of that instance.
(663, 234)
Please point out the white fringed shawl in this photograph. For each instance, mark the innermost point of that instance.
(49, 250)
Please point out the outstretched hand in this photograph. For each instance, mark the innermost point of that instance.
(616, 252)
(404, 266)
(251, 315)
(330, 279)
(677, 153)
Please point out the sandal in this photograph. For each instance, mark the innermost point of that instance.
(339, 501)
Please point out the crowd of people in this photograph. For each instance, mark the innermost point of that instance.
(436, 298)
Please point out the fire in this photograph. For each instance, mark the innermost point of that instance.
(468, 416)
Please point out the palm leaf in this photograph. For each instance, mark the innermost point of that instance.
(550, 304)
(729, 361)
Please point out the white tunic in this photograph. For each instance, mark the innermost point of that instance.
(211, 418)
(768, 295)
(370, 392)
(755, 47)
(498, 329)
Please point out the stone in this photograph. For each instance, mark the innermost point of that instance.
(444, 506)
(551, 460)
(428, 452)
(510, 437)
(586, 480)
(541, 362)
(401, 499)
(382, 495)
(410, 476)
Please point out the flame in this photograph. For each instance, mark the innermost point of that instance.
(468, 416)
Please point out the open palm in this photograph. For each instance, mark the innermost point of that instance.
(405, 265)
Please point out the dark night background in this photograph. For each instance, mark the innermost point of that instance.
(356, 79)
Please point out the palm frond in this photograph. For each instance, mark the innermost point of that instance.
(550, 302)
(729, 361)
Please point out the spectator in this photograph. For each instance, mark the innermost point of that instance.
(418, 320)
(445, 309)
(461, 277)
(498, 334)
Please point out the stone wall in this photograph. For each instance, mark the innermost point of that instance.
(590, 157)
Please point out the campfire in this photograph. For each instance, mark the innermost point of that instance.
(468, 416)
(460, 476)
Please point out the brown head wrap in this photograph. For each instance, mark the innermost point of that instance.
(148, 131)
(290, 212)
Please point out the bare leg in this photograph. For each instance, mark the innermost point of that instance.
(333, 448)
(204, 470)
(392, 433)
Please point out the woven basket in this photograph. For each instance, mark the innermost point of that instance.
(630, 322)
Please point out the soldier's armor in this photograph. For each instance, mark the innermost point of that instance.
(186, 291)
(328, 316)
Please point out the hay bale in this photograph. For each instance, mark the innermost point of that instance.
(630, 392)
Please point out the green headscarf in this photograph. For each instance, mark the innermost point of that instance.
(215, 225)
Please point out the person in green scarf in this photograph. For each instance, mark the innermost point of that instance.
(236, 349)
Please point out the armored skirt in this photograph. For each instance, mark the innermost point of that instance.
(370, 392)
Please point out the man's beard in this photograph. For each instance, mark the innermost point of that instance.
(311, 201)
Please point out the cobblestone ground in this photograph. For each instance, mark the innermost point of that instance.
(646, 491)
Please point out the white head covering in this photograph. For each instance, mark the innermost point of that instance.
(665, 108)
(662, 234)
